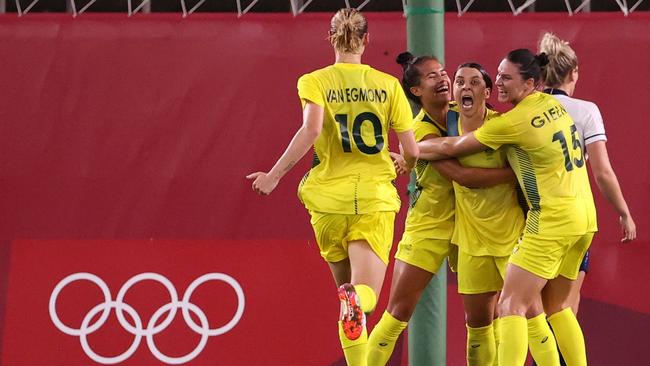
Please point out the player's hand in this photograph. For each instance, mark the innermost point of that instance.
(263, 183)
(399, 162)
(629, 229)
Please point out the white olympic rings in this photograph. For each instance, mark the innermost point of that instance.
(151, 328)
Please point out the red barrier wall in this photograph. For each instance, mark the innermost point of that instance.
(114, 131)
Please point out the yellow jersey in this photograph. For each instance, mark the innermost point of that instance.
(548, 159)
(431, 214)
(353, 172)
(489, 220)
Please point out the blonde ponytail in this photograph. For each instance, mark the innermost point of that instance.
(347, 29)
(562, 60)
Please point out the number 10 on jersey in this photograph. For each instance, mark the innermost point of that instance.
(370, 117)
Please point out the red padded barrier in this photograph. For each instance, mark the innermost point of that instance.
(272, 308)
(114, 129)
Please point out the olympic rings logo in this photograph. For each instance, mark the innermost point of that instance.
(139, 331)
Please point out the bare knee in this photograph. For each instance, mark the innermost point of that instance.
(536, 307)
(479, 309)
(478, 320)
(576, 304)
(554, 307)
(402, 310)
(408, 284)
(560, 294)
(520, 290)
(512, 305)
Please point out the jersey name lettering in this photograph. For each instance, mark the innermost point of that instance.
(348, 95)
(549, 115)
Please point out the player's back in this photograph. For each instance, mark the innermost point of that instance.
(354, 170)
(548, 159)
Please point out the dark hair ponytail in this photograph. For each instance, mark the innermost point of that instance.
(542, 59)
(530, 65)
(411, 73)
(405, 59)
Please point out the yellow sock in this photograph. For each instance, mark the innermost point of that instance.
(541, 342)
(356, 351)
(382, 339)
(496, 325)
(513, 341)
(367, 297)
(569, 337)
(480, 346)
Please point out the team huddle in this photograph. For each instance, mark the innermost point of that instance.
(520, 262)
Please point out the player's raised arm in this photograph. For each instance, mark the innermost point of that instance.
(265, 183)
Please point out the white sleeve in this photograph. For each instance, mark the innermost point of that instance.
(594, 129)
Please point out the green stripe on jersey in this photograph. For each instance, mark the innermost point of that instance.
(530, 189)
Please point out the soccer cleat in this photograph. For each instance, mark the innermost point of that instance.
(353, 320)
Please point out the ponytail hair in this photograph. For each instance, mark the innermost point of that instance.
(347, 29)
(411, 72)
(562, 60)
(530, 65)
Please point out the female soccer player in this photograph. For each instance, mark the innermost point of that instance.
(348, 108)
(426, 241)
(560, 77)
(489, 221)
(547, 158)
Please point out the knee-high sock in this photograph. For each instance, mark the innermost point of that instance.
(367, 297)
(513, 346)
(356, 351)
(382, 339)
(569, 337)
(541, 342)
(481, 349)
(496, 325)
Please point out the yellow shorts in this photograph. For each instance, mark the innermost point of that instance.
(334, 232)
(549, 257)
(427, 254)
(480, 274)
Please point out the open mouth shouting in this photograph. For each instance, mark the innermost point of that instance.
(466, 102)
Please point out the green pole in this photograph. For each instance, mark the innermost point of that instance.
(427, 334)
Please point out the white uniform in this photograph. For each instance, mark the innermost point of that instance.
(587, 118)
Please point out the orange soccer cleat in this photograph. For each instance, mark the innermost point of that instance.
(352, 317)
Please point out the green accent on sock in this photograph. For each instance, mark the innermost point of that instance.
(541, 342)
(367, 297)
(569, 337)
(383, 338)
(481, 348)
